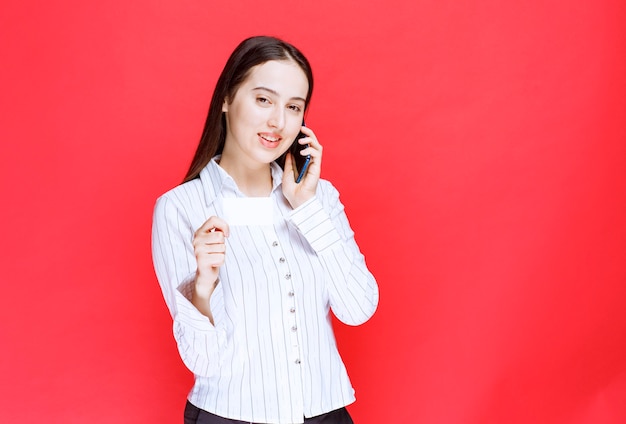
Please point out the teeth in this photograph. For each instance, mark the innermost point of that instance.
(272, 139)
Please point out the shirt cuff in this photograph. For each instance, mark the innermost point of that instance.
(199, 342)
(188, 314)
(315, 224)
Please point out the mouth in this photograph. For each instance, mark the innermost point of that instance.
(269, 139)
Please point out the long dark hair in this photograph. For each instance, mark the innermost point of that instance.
(250, 53)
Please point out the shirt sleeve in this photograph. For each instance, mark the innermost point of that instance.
(198, 341)
(353, 291)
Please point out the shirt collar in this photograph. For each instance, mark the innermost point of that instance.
(216, 181)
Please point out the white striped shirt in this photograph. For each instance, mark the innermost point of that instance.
(271, 356)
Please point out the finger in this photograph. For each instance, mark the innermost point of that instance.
(213, 237)
(313, 150)
(214, 260)
(210, 238)
(310, 141)
(288, 169)
(206, 251)
(213, 254)
(310, 137)
(307, 131)
(214, 223)
(210, 248)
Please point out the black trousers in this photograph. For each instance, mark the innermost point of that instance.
(195, 415)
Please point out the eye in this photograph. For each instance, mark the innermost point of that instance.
(295, 108)
(263, 100)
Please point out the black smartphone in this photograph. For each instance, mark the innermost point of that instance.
(301, 163)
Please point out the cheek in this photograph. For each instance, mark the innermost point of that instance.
(294, 129)
(241, 118)
(253, 116)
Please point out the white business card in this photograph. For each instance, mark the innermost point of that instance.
(248, 211)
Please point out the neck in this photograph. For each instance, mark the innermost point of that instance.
(253, 181)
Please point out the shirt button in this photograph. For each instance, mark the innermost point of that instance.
(297, 361)
(288, 276)
(291, 293)
(292, 310)
(294, 328)
(275, 244)
(281, 260)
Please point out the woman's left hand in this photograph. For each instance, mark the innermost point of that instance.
(298, 193)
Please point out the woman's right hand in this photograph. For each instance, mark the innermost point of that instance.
(210, 250)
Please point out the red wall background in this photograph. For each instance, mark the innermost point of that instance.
(480, 148)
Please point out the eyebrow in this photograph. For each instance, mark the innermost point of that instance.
(274, 92)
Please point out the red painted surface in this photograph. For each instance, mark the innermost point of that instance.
(480, 149)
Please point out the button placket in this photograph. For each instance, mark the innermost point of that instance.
(290, 318)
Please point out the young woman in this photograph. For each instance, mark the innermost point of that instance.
(251, 300)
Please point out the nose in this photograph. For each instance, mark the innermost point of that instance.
(277, 118)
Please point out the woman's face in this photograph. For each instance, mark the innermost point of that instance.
(266, 113)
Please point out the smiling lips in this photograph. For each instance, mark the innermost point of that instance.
(270, 140)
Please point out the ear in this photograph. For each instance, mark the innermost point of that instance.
(225, 105)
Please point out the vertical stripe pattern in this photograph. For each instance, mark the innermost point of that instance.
(271, 356)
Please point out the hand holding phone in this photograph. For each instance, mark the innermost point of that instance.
(302, 178)
(301, 163)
